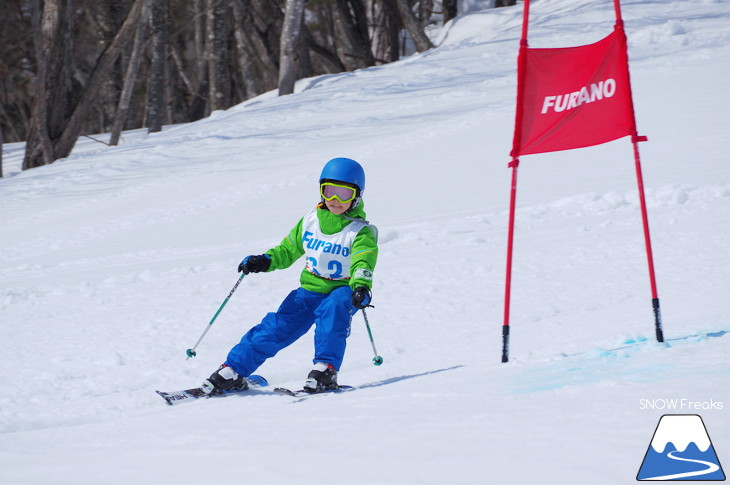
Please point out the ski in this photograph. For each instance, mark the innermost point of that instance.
(305, 393)
(187, 395)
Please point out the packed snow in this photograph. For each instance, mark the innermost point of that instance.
(114, 260)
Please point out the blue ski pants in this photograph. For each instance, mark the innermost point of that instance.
(331, 312)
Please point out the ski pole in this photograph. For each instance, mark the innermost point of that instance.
(191, 352)
(377, 360)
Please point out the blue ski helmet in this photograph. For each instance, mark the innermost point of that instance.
(345, 170)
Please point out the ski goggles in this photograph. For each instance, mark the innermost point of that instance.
(343, 193)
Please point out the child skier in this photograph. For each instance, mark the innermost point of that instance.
(341, 250)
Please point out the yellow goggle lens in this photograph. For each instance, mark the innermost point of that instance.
(343, 193)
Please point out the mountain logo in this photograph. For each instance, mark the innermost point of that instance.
(681, 450)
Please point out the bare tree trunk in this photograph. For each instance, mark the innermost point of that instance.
(129, 79)
(290, 35)
(157, 78)
(425, 9)
(49, 19)
(246, 56)
(199, 106)
(328, 62)
(385, 30)
(353, 46)
(450, 9)
(110, 15)
(421, 41)
(199, 41)
(361, 28)
(16, 92)
(210, 55)
(305, 64)
(189, 88)
(263, 29)
(13, 125)
(216, 33)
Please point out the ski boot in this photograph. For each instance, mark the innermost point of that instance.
(224, 379)
(323, 377)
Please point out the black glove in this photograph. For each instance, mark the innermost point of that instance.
(361, 297)
(255, 264)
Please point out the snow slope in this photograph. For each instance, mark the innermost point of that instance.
(113, 261)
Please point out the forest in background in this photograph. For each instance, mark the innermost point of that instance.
(71, 68)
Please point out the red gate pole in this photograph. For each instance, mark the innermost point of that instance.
(635, 139)
(510, 245)
(521, 71)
